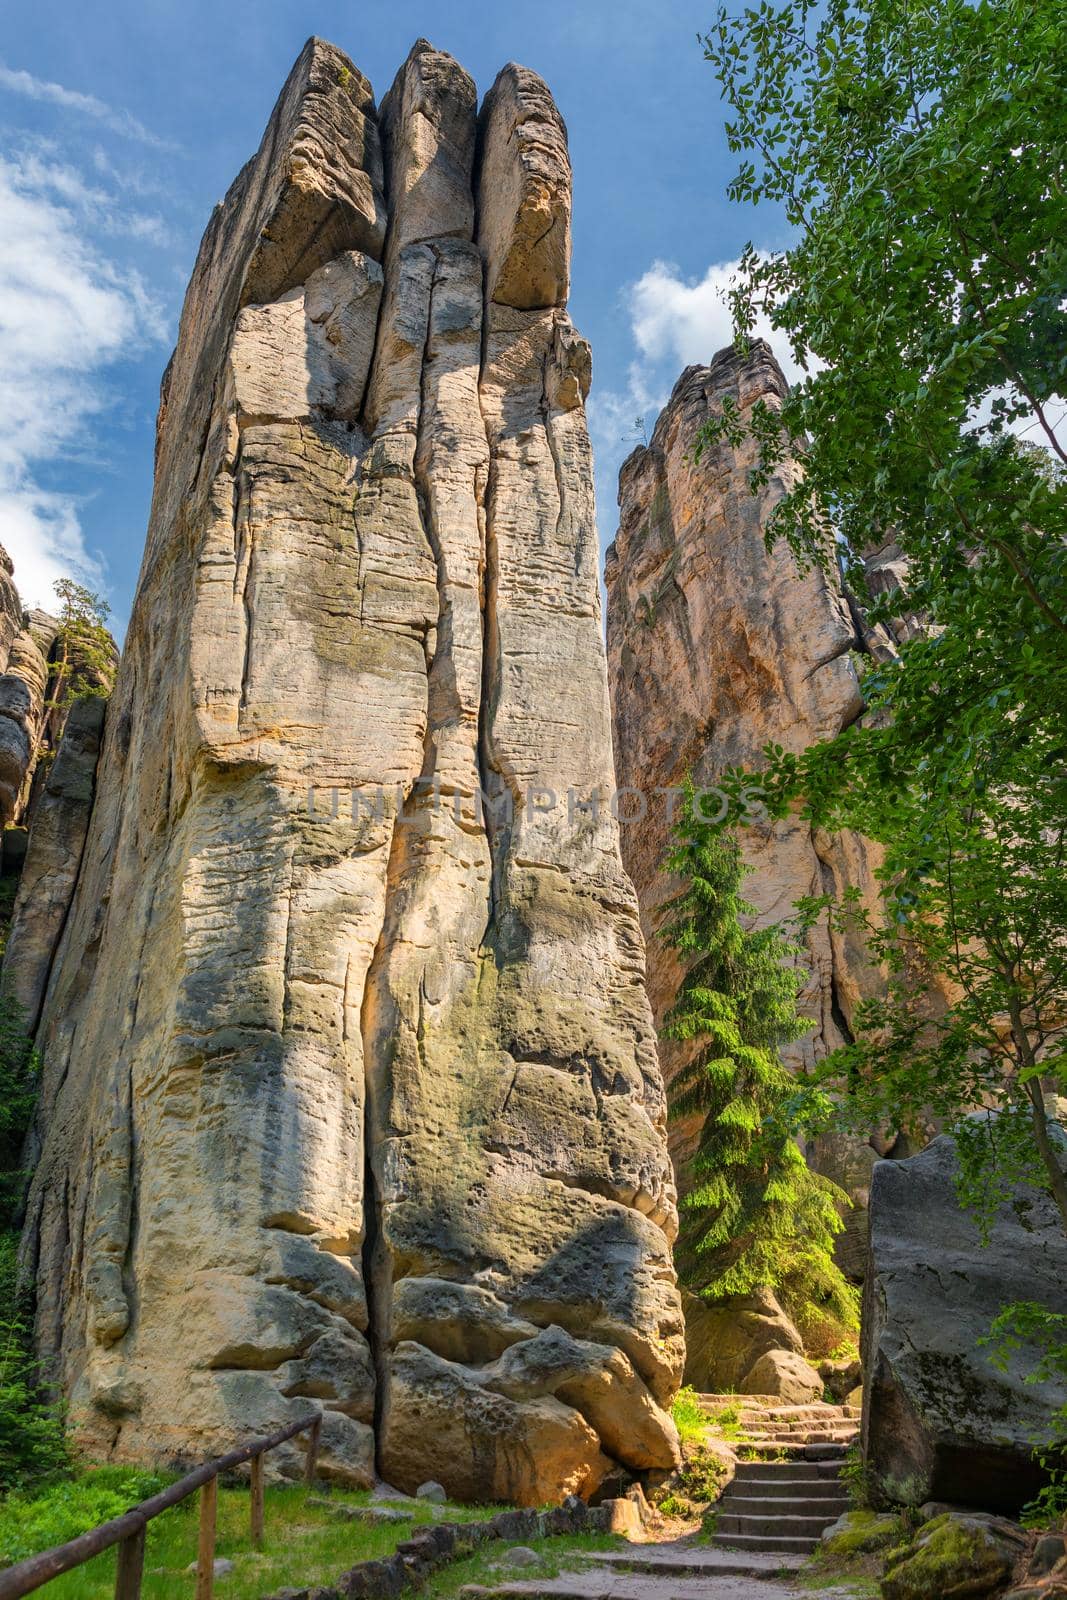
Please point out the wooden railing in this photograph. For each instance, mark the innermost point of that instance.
(128, 1531)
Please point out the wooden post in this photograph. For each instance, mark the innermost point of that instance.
(257, 1501)
(130, 1567)
(313, 1450)
(205, 1561)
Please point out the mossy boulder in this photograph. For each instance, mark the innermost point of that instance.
(955, 1557)
(861, 1533)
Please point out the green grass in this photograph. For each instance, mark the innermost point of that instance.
(304, 1543)
(486, 1566)
(689, 1415)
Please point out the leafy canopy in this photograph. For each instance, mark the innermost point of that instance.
(920, 155)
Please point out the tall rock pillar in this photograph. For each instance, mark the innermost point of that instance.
(350, 1098)
(718, 647)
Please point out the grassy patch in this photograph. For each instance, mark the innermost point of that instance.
(304, 1543)
(690, 1417)
(844, 1584)
(486, 1566)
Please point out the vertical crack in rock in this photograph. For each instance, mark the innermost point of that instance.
(399, 1128)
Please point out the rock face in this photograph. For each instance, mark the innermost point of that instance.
(37, 664)
(717, 647)
(53, 857)
(940, 1422)
(24, 710)
(349, 1071)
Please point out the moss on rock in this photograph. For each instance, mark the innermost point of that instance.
(954, 1557)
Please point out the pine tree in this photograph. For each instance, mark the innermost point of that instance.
(84, 654)
(755, 1214)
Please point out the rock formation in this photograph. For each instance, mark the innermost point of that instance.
(718, 647)
(38, 660)
(724, 1341)
(940, 1421)
(53, 858)
(350, 1096)
(24, 709)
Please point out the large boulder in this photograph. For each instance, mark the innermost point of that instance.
(725, 1338)
(940, 1420)
(954, 1557)
(786, 1375)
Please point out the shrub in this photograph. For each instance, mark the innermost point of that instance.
(32, 1443)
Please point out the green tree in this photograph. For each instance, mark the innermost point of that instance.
(31, 1430)
(84, 651)
(918, 153)
(755, 1215)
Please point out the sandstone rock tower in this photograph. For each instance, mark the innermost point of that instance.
(718, 647)
(355, 1105)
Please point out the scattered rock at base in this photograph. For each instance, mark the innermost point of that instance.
(347, 1513)
(958, 1556)
(786, 1375)
(431, 1491)
(520, 1555)
(860, 1533)
(724, 1339)
(222, 1567)
(1047, 1553)
(940, 1421)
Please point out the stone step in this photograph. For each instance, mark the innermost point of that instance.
(684, 1561)
(827, 1491)
(766, 1406)
(828, 1507)
(788, 1489)
(762, 1527)
(781, 1544)
(799, 1439)
(795, 1424)
(789, 1473)
(830, 1451)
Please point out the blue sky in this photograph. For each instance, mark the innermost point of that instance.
(122, 124)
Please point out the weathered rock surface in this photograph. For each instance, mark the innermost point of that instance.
(940, 1421)
(24, 689)
(717, 647)
(785, 1374)
(41, 671)
(724, 1339)
(361, 1092)
(53, 857)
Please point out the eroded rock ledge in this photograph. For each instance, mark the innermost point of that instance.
(359, 1105)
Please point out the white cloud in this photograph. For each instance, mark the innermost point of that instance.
(689, 320)
(66, 311)
(674, 322)
(86, 105)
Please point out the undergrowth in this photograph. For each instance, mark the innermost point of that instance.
(689, 1415)
(305, 1542)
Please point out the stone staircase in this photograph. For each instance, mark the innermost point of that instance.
(787, 1489)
